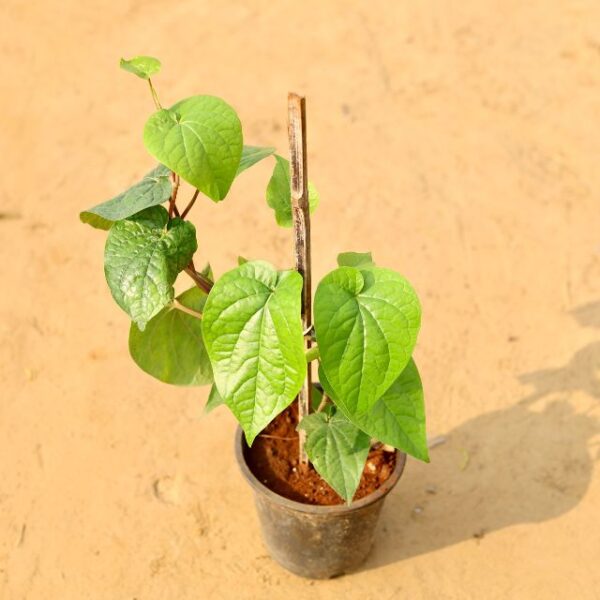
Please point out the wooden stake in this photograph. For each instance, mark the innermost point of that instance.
(301, 217)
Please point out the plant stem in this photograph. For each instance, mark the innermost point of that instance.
(189, 206)
(312, 354)
(323, 403)
(202, 282)
(187, 310)
(301, 217)
(154, 95)
(173, 198)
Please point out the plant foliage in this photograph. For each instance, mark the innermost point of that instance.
(242, 334)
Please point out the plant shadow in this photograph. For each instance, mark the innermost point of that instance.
(525, 464)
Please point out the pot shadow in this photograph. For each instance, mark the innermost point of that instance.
(524, 464)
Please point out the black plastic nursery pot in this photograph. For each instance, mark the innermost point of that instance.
(318, 542)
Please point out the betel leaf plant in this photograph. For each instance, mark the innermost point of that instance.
(250, 333)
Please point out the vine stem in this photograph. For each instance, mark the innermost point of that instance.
(202, 282)
(173, 198)
(323, 403)
(301, 218)
(189, 206)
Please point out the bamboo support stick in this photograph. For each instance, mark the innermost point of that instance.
(301, 217)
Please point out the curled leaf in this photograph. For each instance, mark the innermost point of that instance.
(279, 196)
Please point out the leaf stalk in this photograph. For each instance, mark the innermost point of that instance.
(154, 95)
(312, 354)
(190, 204)
(200, 280)
(324, 402)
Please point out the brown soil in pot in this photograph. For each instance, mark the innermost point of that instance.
(273, 459)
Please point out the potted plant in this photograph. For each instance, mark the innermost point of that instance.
(319, 457)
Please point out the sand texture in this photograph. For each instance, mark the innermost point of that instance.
(459, 142)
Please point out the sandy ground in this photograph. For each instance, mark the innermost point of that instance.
(457, 141)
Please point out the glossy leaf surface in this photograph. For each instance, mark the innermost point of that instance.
(253, 334)
(366, 325)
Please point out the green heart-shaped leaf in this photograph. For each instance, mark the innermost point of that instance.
(337, 449)
(171, 347)
(155, 188)
(253, 335)
(279, 195)
(398, 417)
(251, 155)
(142, 66)
(142, 257)
(366, 325)
(200, 139)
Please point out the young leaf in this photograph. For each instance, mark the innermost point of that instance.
(200, 139)
(338, 451)
(171, 348)
(155, 188)
(398, 417)
(214, 399)
(355, 259)
(366, 325)
(253, 335)
(142, 258)
(251, 155)
(279, 197)
(142, 66)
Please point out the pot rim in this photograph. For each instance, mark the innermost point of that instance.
(315, 509)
